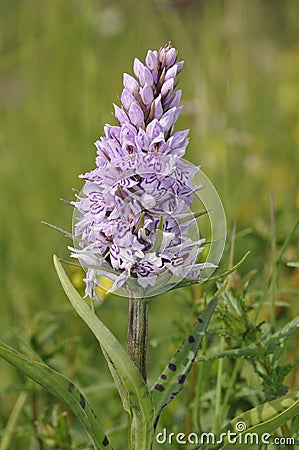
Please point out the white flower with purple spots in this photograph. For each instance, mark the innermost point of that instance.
(127, 221)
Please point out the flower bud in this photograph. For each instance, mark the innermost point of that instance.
(120, 114)
(136, 115)
(158, 109)
(130, 83)
(167, 87)
(126, 99)
(147, 94)
(151, 60)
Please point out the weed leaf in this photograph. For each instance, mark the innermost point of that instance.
(234, 353)
(278, 338)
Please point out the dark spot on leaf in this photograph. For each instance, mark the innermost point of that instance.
(82, 401)
(181, 379)
(163, 376)
(71, 387)
(159, 387)
(191, 339)
(172, 367)
(105, 441)
(200, 320)
(173, 395)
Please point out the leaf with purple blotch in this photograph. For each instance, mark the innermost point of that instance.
(63, 389)
(173, 377)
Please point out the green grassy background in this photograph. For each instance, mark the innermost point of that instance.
(60, 70)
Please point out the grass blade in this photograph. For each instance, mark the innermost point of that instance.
(11, 423)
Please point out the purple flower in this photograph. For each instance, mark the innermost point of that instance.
(130, 217)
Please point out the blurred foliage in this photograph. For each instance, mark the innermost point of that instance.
(61, 68)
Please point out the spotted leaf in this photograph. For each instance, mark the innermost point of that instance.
(63, 389)
(263, 420)
(173, 377)
(131, 386)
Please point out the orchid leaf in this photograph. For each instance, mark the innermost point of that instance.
(124, 395)
(130, 384)
(63, 389)
(173, 377)
(262, 419)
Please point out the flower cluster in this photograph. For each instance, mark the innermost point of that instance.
(132, 219)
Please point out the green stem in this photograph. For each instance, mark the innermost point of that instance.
(277, 262)
(217, 417)
(137, 333)
(9, 430)
(273, 261)
(230, 389)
